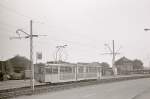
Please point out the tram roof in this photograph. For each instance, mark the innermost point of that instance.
(71, 64)
(61, 65)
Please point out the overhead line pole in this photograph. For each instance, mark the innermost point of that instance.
(31, 48)
(113, 53)
(113, 59)
(31, 53)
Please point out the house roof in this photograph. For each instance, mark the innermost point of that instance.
(79, 63)
(123, 60)
(3, 59)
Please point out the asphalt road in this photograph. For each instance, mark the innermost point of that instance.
(116, 90)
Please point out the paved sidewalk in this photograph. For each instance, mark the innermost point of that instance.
(15, 84)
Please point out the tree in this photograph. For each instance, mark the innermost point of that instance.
(137, 64)
(105, 65)
(19, 63)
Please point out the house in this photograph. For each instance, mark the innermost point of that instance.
(14, 67)
(124, 65)
(3, 70)
(107, 71)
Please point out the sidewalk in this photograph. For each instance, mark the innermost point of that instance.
(15, 84)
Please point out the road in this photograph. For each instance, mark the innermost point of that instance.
(116, 90)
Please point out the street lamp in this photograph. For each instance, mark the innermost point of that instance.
(146, 29)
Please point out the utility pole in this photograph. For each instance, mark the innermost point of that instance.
(31, 54)
(147, 29)
(113, 53)
(113, 59)
(18, 31)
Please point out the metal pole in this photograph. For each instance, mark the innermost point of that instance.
(113, 53)
(31, 49)
(76, 70)
(113, 59)
(57, 53)
(2, 67)
(31, 55)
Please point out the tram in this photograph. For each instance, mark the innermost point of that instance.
(55, 73)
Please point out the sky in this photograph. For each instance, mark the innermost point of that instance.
(84, 25)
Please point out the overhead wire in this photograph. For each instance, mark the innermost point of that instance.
(19, 13)
(7, 32)
(29, 18)
(74, 42)
(14, 11)
(6, 29)
(4, 24)
(8, 25)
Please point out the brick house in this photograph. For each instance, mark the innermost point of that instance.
(124, 65)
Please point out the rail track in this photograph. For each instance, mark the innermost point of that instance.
(15, 92)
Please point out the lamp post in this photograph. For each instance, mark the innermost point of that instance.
(146, 29)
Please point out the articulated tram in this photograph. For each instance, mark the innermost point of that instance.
(55, 73)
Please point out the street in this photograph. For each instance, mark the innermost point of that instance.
(117, 90)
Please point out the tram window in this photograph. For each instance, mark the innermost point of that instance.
(92, 69)
(80, 69)
(41, 70)
(62, 69)
(66, 69)
(55, 70)
(48, 70)
(73, 69)
(69, 69)
(87, 69)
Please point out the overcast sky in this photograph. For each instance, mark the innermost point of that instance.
(84, 25)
